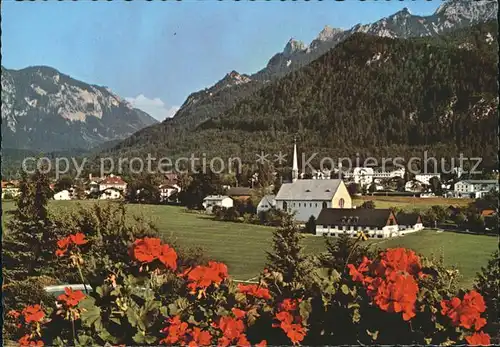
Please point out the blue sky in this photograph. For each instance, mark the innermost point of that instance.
(157, 53)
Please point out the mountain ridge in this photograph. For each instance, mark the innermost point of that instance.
(45, 109)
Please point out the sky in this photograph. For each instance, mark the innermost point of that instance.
(155, 54)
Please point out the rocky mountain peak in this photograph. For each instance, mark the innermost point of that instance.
(328, 33)
(293, 46)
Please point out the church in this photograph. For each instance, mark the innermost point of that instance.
(307, 197)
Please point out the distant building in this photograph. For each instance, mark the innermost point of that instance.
(474, 188)
(425, 178)
(112, 181)
(110, 194)
(217, 200)
(10, 188)
(266, 203)
(374, 223)
(364, 176)
(308, 197)
(409, 222)
(239, 193)
(63, 195)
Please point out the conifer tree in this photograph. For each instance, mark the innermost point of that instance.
(287, 257)
(30, 240)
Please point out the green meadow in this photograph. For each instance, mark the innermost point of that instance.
(243, 246)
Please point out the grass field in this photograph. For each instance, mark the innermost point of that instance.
(243, 246)
(410, 203)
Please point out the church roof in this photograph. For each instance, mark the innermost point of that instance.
(309, 189)
(363, 217)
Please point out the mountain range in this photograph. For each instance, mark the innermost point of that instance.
(338, 84)
(372, 95)
(451, 15)
(46, 110)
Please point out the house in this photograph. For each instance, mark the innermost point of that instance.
(266, 203)
(409, 222)
(308, 197)
(110, 194)
(375, 223)
(414, 186)
(239, 193)
(488, 213)
(63, 195)
(217, 200)
(10, 188)
(364, 176)
(168, 189)
(112, 181)
(474, 188)
(426, 178)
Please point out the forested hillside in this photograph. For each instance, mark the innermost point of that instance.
(370, 95)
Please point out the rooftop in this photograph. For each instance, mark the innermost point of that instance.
(309, 189)
(362, 217)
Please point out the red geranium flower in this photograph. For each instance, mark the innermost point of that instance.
(255, 291)
(398, 294)
(147, 249)
(176, 331)
(71, 298)
(78, 239)
(168, 257)
(399, 259)
(467, 312)
(479, 339)
(33, 313)
(26, 341)
(238, 313)
(231, 327)
(204, 276)
(262, 343)
(289, 304)
(200, 338)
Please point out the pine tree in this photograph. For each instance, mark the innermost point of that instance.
(287, 257)
(342, 251)
(30, 240)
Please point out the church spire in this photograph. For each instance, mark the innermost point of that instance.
(295, 167)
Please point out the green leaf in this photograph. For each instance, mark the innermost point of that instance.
(305, 309)
(345, 289)
(132, 316)
(91, 314)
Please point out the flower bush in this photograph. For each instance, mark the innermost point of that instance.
(396, 297)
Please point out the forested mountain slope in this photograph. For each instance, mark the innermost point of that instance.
(371, 95)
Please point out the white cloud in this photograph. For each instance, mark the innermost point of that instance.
(156, 108)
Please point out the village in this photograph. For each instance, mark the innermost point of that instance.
(319, 203)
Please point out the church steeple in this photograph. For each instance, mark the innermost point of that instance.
(295, 166)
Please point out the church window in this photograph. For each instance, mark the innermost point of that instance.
(341, 203)
(315, 204)
(324, 204)
(299, 204)
(285, 205)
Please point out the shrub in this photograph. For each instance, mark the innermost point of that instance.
(487, 284)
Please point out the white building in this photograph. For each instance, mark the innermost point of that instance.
(374, 223)
(217, 200)
(113, 181)
(266, 203)
(167, 190)
(364, 176)
(425, 178)
(62, 195)
(110, 194)
(474, 188)
(307, 198)
(409, 222)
